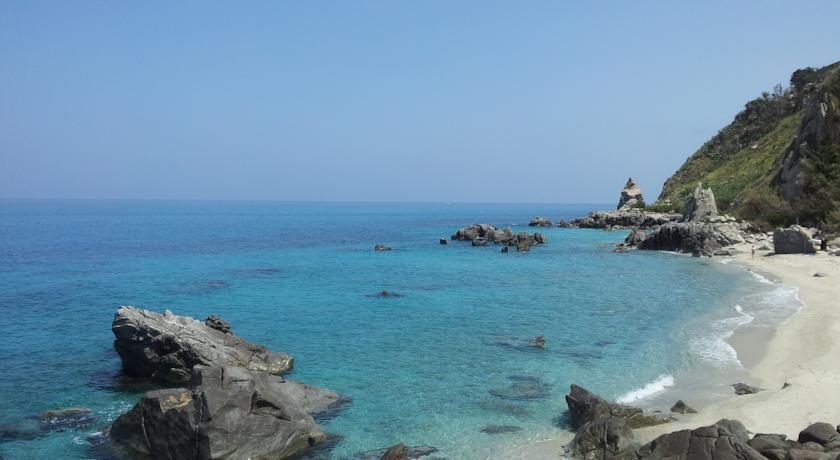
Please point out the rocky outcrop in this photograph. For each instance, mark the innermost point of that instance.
(725, 439)
(586, 407)
(793, 240)
(701, 205)
(698, 238)
(381, 247)
(539, 222)
(230, 412)
(166, 347)
(483, 234)
(604, 439)
(631, 197)
(633, 218)
(218, 324)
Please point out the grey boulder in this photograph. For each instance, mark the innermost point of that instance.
(701, 205)
(231, 412)
(166, 347)
(726, 439)
(793, 240)
(585, 406)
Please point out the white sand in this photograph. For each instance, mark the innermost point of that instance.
(804, 351)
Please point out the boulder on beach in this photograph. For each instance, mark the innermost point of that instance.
(744, 389)
(631, 196)
(793, 240)
(603, 439)
(166, 347)
(700, 205)
(500, 429)
(230, 412)
(726, 439)
(680, 407)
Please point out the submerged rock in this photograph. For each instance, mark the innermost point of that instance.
(523, 388)
(500, 429)
(397, 452)
(166, 347)
(231, 412)
(538, 342)
(386, 293)
(443, 241)
(381, 247)
(71, 417)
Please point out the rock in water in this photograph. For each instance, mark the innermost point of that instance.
(631, 197)
(793, 240)
(71, 417)
(538, 342)
(539, 222)
(444, 241)
(701, 205)
(500, 429)
(585, 406)
(166, 347)
(231, 412)
(395, 452)
(381, 247)
(681, 407)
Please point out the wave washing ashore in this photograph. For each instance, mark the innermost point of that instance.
(445, 362)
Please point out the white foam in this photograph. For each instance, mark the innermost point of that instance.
(714, 348)
(760, 278)
(657, 386)
(726, 261)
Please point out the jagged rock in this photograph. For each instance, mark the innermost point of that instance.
(218, 324)
(681, 407)
(538, 342)
(631, 196)
(632, 218)
(793, 240)
(231, 412)
(166, 347)
(539, 222)
(381, 247)
(397, 452)
(585, 406)
(821, 433)
(726, 439)
(772, 446)
(444, 241)
(744, 389)
(603, 439)
(700, 205)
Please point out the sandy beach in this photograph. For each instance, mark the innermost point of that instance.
(804, 352)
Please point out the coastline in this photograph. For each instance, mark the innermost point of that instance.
(771, 356)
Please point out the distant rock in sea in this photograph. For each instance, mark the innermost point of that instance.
(483, 234)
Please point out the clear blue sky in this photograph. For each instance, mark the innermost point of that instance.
(539, 101)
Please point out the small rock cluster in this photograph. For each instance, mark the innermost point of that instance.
(483, 234)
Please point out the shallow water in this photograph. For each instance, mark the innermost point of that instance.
(433, 366)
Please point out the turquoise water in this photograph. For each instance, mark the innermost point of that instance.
(432, 367)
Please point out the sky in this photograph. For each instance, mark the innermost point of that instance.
(432, 101)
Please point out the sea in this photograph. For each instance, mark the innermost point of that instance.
(443, 363)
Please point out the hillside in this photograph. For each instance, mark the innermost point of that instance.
(778, 162)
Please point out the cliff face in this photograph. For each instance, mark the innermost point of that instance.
(778, 161)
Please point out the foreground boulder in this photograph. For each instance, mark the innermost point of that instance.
(726, 439)
(585, 406)
(166, 347)
(631, 197)
(793, 240)
(231, 412)
(607, 439)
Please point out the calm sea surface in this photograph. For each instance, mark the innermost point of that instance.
(432, 367)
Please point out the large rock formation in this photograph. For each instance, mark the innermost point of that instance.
(698, 238)
(793, 240)
(726, 439)
(166, 347)
(585, 407)
(701, 205)
(631, 197)
(230, 412)
(633, 218)
(482, 234)
(539, 222)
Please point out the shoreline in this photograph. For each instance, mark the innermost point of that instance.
(771, 357)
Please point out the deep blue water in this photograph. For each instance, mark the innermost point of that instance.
(431, 367)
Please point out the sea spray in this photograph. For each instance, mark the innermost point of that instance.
(662, 383)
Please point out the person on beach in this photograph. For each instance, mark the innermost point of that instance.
(753, 252)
